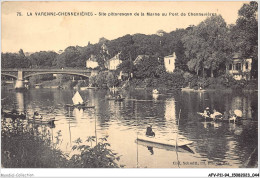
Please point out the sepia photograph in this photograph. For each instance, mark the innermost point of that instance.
(126, 84)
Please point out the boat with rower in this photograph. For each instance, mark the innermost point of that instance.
(115, 98)
(45, 121)
(219, 117)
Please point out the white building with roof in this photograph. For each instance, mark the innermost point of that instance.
(113, 63)
(169, 62)
(92, 62)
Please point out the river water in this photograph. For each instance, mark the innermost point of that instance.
(222, 145)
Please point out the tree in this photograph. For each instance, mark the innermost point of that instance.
(146, 68)
(69, 58)
(126, 66)
(207, 45)
(112, 80)
(14, 60)
(42, 58)
(8, 60)
(245, 33)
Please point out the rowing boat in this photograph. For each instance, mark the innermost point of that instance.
(218, 118)
(115, 99)
(183, 149)
(165, 142)
(81, 106)
(42, 122)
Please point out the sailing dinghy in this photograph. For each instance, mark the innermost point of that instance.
(78, 102)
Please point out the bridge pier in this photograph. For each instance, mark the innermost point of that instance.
(19, 84)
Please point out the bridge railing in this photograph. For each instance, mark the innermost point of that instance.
(45, 70)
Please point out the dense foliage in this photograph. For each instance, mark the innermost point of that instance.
(204, 50)
(27, 146)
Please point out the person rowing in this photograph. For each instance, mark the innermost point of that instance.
(216, 115)
(36, 115)
(207, 112)
(149, 131)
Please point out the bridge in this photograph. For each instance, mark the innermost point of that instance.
(21, 74)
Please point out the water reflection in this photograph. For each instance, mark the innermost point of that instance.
(20, 101)
(78, 113)
(217, 142)
(170, 113)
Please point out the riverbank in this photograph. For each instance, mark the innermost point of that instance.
(27, 146)
(173, 84)
(141, 85)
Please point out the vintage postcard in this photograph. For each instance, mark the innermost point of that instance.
(127, 84)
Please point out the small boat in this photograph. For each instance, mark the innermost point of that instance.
(183, 149)
(187, 89)
(166, 142)
(119, 99)
(205, 117)
(77, 99)
(80, 106)
(218, 118)
(49, 121)
(83, 88)
(114, 98)
(78, 102)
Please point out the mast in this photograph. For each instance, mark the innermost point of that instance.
(176, 146)
(137, 164)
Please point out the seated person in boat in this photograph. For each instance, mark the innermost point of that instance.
(207, 112)
(149, 131)
(118, 97)
(233, 116)
(216, 115)
(36, 115)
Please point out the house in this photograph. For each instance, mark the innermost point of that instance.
(113, 63)
(169, 62)
(240, 68)
(92, 62)
(139, 58)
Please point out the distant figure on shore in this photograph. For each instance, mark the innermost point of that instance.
(149, 131)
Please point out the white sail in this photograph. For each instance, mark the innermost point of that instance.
(77, 99)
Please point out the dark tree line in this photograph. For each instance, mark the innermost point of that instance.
(203, 50)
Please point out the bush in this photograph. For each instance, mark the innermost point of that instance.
(98, 156)
(112, 80)
(27, 147)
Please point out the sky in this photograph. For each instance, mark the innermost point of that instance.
(43, 33)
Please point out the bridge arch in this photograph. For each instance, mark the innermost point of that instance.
(9, 75)
(69, 73)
